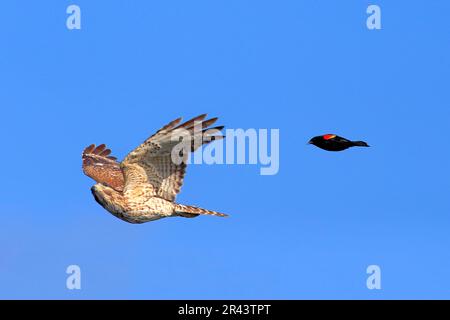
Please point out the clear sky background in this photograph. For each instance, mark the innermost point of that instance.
(305, 67)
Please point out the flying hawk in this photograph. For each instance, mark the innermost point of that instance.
(144, 185)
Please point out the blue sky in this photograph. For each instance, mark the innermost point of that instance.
(304, 67)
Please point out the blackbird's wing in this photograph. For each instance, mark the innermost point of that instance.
(341, 139)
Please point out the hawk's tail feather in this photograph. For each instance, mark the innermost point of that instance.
(191, 211)
(99, 150)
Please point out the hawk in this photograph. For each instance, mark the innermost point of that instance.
(144, 185)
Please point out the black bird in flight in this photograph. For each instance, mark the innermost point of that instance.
(332, 142)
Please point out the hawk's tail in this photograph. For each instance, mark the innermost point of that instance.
(191, 211)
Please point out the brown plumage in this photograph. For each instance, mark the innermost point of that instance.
(144, 185)
(103, 168)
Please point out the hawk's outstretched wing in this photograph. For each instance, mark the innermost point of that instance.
(150, 165)
(103, 168)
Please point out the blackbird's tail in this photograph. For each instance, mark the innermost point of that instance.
(360, 144)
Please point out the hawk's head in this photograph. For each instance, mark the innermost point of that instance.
(109, 199)
(101, 193)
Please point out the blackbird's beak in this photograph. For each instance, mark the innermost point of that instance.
(310, 142)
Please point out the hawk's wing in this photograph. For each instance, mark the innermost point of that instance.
(151, 164)
(103, 168)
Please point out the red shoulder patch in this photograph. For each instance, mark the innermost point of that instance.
(329, 136)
